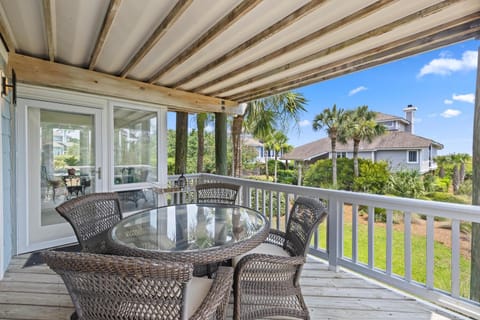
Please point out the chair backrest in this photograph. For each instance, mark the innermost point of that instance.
(305, 216)
(217, 192)
(91, 216)
(116, 287)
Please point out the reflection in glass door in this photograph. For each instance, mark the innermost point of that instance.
(67, 160)
(62, 148)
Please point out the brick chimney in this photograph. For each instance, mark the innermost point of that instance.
(409, 111)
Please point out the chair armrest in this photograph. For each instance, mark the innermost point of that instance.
(217, 297)
(275, 237)
(259, 262)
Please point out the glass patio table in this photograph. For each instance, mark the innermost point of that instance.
(196, 233)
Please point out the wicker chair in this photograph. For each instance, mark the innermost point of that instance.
(217, 192)
(91, 217)
(266, 281)
(117, 287)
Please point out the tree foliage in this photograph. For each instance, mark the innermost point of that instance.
(332, 120)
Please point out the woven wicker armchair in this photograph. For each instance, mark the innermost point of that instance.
(217, 192)
(91, 217)
(266, 281)
(117, 287)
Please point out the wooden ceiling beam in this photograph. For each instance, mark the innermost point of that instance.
(414, 47)
(337, 47)
(110, 15)
(48, 16)
(378, 5)
(44, 73)
(258, 38)
(233, 16)
(169, 20)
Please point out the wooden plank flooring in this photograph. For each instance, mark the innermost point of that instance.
(36, 293)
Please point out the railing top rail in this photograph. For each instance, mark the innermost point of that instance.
(435, 208)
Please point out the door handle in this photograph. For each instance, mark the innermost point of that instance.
(98, 172)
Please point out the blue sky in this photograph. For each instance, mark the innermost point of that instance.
(440, 83)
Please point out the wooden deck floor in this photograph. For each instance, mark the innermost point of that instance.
(36, 293)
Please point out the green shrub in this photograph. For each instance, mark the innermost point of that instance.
(373, 177)
(442, 184)
(319, 174)
(465, 188)
(445, 197)
(406, 183)
(287, 176)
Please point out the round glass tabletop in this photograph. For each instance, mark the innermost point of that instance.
(185, 232)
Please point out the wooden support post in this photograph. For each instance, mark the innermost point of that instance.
(181, 142)
(475, 265)
(221, 143)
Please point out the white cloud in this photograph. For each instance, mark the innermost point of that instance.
(357, 90)
(469, 97)
(446, 66)
(447, 101)
(304, 123)
(450, 113)
(209, 128)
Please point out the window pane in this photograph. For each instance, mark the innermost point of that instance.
(412, 156)
(135, 146)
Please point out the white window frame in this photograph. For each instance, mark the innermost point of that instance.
(417, 156)
(161, 144)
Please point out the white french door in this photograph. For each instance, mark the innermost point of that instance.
(59, 157)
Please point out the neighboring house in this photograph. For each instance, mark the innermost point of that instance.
(399, 146)
(249, 141)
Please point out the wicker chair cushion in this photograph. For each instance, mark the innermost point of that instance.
(264, 248)
(197, 290)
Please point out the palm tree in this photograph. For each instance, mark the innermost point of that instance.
(279, 140)
(333, 122)
(263, 115)
(361, 126)
(267, 147)
(441, 161)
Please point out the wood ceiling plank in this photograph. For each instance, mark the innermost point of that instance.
(48, 15)
(43, 73)
(6, 36)
(378, 5)
(408, 49)
(258, 38)
(169, 20)
(337, 47)
(460, 25)
(233, 16)
(110, 15)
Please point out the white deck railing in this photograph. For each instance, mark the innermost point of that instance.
(351, 221)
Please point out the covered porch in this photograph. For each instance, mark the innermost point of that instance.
(111, 60)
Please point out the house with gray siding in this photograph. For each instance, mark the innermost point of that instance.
(399, 146)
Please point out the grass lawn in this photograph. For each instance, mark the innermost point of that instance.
(442, 255)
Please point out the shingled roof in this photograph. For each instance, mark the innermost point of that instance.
(392, 140)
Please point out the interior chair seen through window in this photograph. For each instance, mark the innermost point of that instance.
(91, 217)
(117, 287)
(267, 278)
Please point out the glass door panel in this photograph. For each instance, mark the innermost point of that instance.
(67, 160)
(135, 152)
(59, 159)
